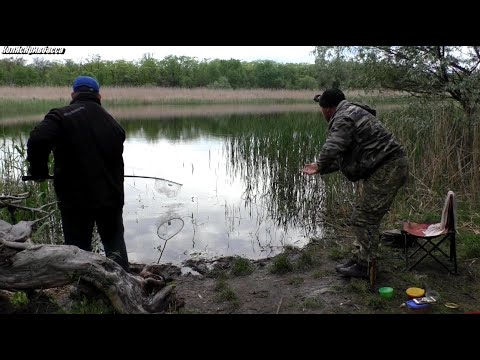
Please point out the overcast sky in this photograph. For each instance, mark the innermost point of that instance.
(281, 54)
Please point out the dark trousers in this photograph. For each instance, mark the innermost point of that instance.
(78, 229)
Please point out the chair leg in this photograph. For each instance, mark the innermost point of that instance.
(452, 256)
(419, 259)
(453, 251)
(406, 250)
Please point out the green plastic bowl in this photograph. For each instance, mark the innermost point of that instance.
(386, 292)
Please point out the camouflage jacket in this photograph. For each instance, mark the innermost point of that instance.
(357, 143)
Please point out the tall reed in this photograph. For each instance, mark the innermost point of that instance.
(441, 158)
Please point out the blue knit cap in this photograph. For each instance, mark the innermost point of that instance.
(85, 83)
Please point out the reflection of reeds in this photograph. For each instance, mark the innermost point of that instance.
(169, 111)
(268, 157)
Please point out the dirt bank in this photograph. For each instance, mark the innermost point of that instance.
(296, 282)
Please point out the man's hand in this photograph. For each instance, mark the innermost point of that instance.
(310, 169)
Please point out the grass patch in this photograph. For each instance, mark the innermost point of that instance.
(320, 274)
(378, 303)
(359, 286)
(468, 246)
(313, 303)
(306, 261)
(281, 264)
(19, 299)
(410, 278)
(296, 280)
(217, 273)
(86, 306)
(226, 293)
(336, 253)
(241, 267)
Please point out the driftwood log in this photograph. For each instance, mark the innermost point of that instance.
(25, 266)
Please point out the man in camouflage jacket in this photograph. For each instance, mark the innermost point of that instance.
(362, 149)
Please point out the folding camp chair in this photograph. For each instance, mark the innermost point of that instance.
(429, 237)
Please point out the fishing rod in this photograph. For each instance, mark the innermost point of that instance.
(49, 177)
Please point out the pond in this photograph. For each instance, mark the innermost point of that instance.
(229, 183)
(241, 192)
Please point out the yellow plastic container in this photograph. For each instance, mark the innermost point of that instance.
(414, 292)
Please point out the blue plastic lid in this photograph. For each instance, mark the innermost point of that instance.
(413, 305)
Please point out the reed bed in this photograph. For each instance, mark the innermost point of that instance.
(25, 104)
(154, 93)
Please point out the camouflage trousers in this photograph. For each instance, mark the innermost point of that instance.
(377, 196)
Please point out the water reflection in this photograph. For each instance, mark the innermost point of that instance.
(174, 111)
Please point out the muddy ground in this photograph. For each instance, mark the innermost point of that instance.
(300, 281)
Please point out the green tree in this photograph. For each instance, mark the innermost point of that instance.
(268, 75)
(221, 83)
(148, 71)
(123, 73)
(180, 71)
(307, 82)
(233, 71)
(434, 71)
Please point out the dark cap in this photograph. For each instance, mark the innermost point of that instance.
(85, 83)
(329, 98)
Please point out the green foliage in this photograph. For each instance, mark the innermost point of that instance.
(434, 71)
(337, 253)
(306, 261)
(320, 274)
(217, 273)
(221, 284)
(171, 71)
(313, 303)
(307, 82)
(226, 293)
(281, 264)
(241, 267)
(19, 299)
(86, 306)
(378, 303)
(221, 83)
(359, 286)
(468, 246)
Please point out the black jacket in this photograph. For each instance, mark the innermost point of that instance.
(87, 144)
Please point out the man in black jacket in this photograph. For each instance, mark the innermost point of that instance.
(87, 144)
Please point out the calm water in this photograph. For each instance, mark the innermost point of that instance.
(241, 192)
